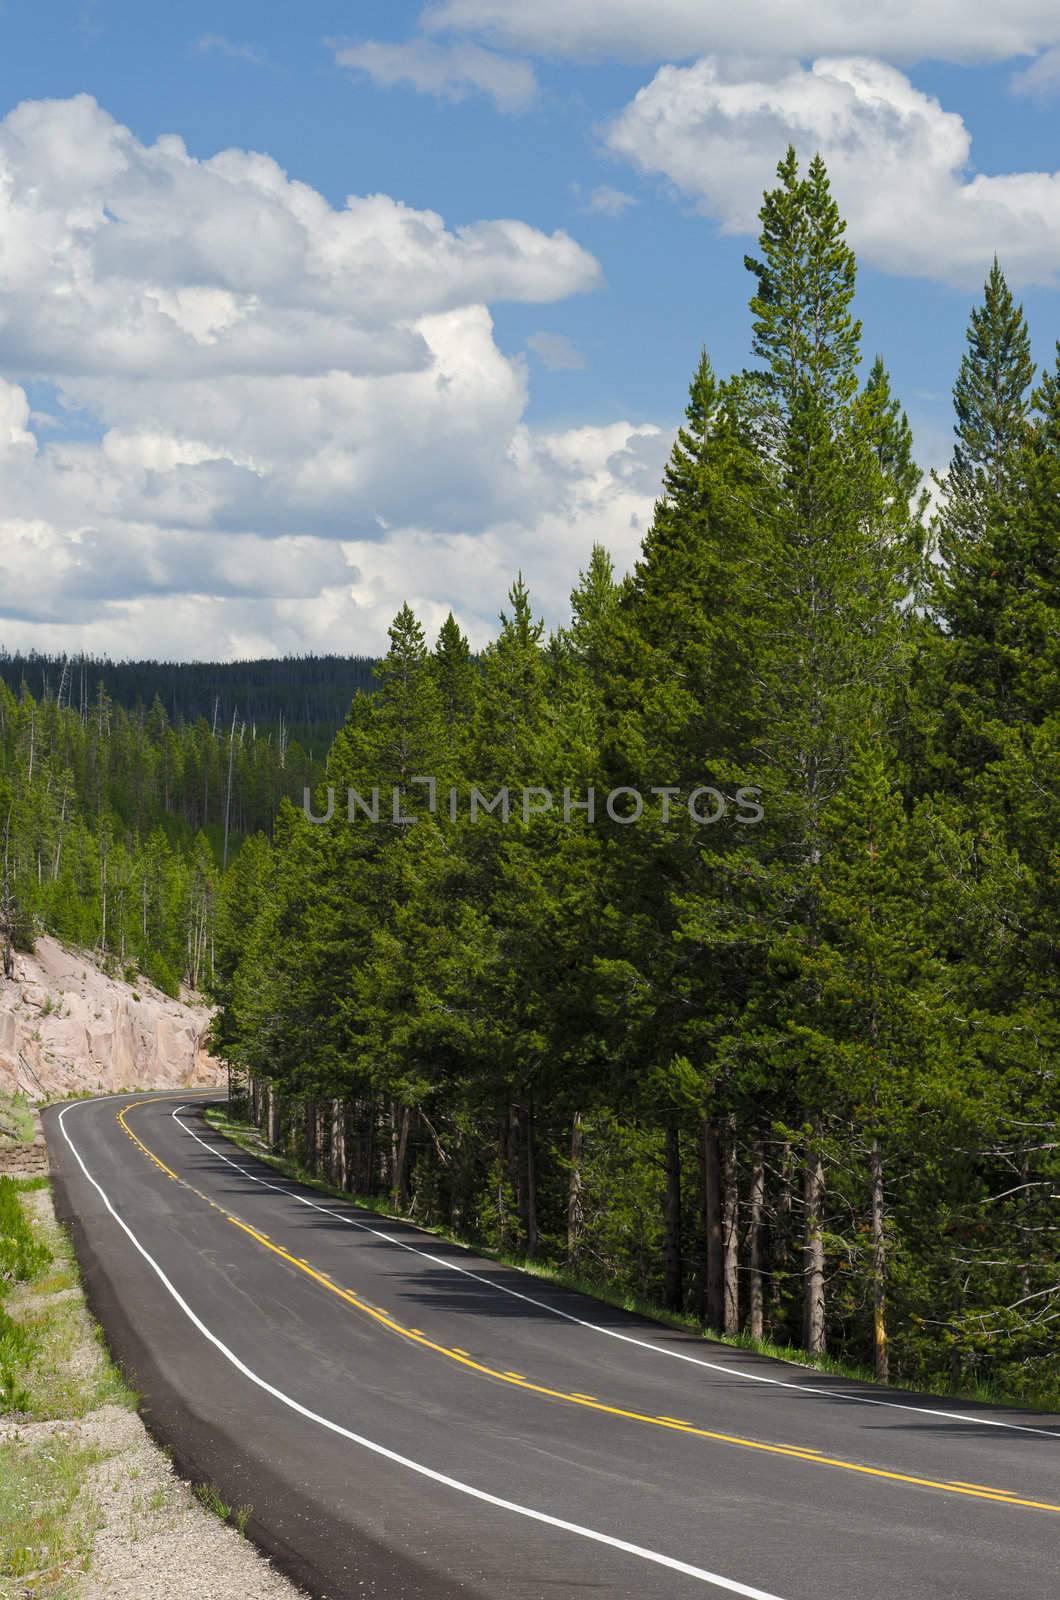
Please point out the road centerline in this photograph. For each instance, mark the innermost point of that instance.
(804, 1390)
(462, 1358)
(530, 1513)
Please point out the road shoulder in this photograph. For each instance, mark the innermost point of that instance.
(94, 1508)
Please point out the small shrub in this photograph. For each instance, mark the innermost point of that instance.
(160, 973)
(22, 1257)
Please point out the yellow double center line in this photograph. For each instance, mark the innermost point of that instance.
(673, 1424)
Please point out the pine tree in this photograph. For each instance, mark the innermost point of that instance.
(455, 675)
(887, 428)
(992, 399)
(835, 559)
(803, 329)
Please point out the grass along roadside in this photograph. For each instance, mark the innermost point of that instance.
(209, 1496)
(60, 1368)
(16, 1119)
(90, 1507)
(47, 1522)
(22, 1153)
(53, 1371)
(247, 1137)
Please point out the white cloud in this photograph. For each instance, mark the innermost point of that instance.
(608, 202)
(667, 30)
(124, 257)
(217, 43)
(1041, 80)
(303, 416)
(899, 163)
(450, 71)
(556, 352)
(15, 436)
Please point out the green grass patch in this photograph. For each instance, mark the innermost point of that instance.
(22, 1254)
(247, 1137)
(16, 1119)
(210, 1498)
(53, 1362)
(46, 1524)
(52, 1365)
(23, 1257)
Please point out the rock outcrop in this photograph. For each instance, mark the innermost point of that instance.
(67, 1028)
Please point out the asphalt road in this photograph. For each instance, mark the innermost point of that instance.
(409, 1420)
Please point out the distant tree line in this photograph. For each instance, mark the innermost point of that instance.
(115, 825)
(300, 698)
(799, 1078)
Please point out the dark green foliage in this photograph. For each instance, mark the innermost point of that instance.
(300, 698)
(797, 1077)
(992, 400)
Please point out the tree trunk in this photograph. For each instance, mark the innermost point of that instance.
(813, 1253)
(575, 1209)
(730, 1229)
(273, 1134)
(521, 1161)
(310, 1114)
(338, 1144)
(782, 1244)
(530, 1162)
(755, 1306)
(1025, 1235)
(228, 791)
(881, 1364)
(362, 1163)
(399, 1128)
(673, 1284)
(517, 1176)
(504, 1167)
(323, 1138)
(710, 1167)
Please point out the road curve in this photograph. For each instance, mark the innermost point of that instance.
(409, 1420)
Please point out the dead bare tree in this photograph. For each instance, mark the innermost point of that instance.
(7, 905)
(228, 790)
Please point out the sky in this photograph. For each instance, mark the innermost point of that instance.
(309, 311)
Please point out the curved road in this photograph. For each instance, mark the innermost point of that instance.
(409, 1420)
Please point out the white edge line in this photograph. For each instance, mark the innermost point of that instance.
(612, 1333)
(654, 1556)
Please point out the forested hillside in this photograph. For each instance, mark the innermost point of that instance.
(798, 1077)
(298, 697)
(115, 825)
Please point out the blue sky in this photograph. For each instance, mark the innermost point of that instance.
(671, 277)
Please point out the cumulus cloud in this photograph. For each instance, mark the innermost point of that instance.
(905, 30)
(556, 352)
(301, 413)
(899, 163)
(124, 257)
(450, 71)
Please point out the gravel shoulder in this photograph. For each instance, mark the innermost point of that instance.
(90, 1507)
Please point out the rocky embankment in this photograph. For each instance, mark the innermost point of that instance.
(67, 1028)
